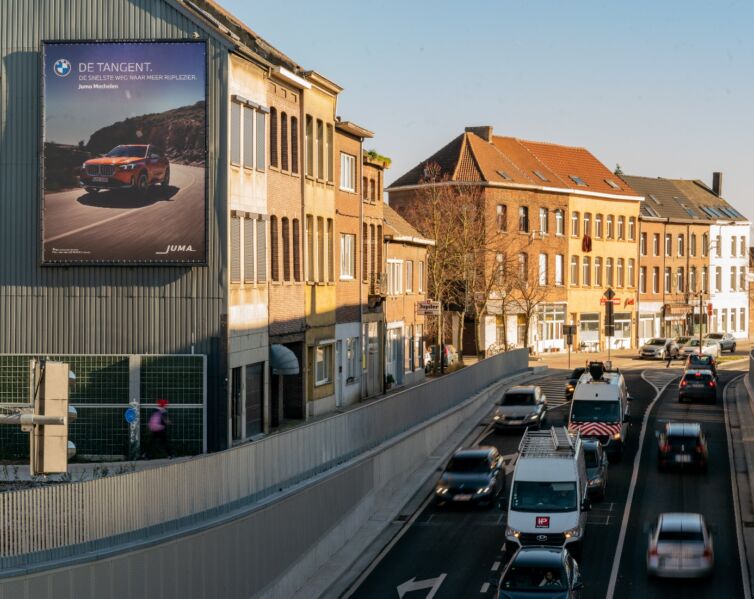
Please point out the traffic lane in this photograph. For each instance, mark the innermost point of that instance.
(709, 494)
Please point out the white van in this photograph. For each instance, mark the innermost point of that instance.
(548, 498)
(599, 409)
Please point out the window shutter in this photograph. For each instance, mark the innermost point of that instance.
(235, 133)
(235, 250)
(273, 137)
(294, 144)
(248, 251)
(261, 133)
(296, 250)
(261, 252)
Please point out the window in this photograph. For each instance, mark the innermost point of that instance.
(621, 227)
(420, 276)
(323, 364)
(523, 267)
(329, 156)
(724, 319)
(631, 228)
(598, 226)
(352, 359)
(523, 219)
(692, 279)
(347, 256)
(310, 276)
(261, 251)
(586, 270)
(656, 279)
(235, 133)
(286, 249)
(378, 266)
(642, 279)
(248, 250)
(578, 180)
(742, 319)
(261, 158)
(705, 244)
(248, 137)
(733, 246)
(681, 244)
(283, 141)
(668, 244)
(320, 249)
(502, 217)
(692, 244)
(364, 188)
(587, 223)
(718, 246)
(609, 282)
(394, 277)
(296, 251)
(742, 278)
(610, 226)
(294, 145)
(733, 278)
(630, 273)
(330, 250)
(364, 252)
(540, 176)
(743, 251)
(543, 269)
(620, 273)
(372, 250)
(347, 172)
(372, 190)
(656, 244)
(679, 280)
(574, 224)
(718, 278)
(559, 269)
(235, 249)
(598, 271)
(668, 279)
(574, 270)
(409, 276)
(705, 279)
(643, 244)
(543, 220)
(274, 273)
(320, 143)
(559, 222)
(309, 138)
(273, 137)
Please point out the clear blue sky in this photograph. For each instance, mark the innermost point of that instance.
(663, 88)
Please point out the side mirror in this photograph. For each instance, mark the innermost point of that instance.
(630, 397)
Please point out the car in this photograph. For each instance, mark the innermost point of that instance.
(709, 347)
(596, 468)
(521, 406)
(682, 341)
(701, 361)
(697, 385)
(680, 546)
(573, 381)
(449, 354)
(129, 166)
(726, 341)
(683, 445)
(541, 572)
(659, 347)
(472, 476)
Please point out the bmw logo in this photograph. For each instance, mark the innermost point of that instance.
(62, 67)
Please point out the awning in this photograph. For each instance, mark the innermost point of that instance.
(282, 360)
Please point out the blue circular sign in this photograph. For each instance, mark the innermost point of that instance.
(131, 415)
(62, 67)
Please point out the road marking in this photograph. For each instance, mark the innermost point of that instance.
(495, 567)
(485, 587)
(632, 489)
(734, 490)
(433, 584)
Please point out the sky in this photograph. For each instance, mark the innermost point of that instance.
(661, 88)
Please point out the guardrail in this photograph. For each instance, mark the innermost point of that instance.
(751, 369)
(48, 523)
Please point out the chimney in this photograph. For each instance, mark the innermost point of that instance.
(485, 132)
(717, 183)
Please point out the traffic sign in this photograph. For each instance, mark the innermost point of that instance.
(709, 309)
(609, 294)
(131, 415)
(428, 308)
(615, 301)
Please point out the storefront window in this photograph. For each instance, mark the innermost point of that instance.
(623, 325)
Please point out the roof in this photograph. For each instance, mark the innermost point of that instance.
(680, 521)
(398, 228)
(478, 452)
(504, 160)
(538, 556)
(681, 199)
(683, 429)
(521, 389)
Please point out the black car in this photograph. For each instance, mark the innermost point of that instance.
(542, 572)
(682, 445)
(596, 468)
(697, 385)
(702, 362)
(572, 381)
(472, 476)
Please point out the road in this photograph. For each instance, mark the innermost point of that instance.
(119, 225)
(464, 546)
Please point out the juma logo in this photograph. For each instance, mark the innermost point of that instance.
(62, 67)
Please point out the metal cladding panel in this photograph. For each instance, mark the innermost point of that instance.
(99, 309)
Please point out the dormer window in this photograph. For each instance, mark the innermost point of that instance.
(578, 181)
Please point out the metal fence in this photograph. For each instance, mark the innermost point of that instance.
(53, 522)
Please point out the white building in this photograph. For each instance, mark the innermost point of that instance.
(729, 287)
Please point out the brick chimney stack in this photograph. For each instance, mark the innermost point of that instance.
(485, 132)
(717, 183)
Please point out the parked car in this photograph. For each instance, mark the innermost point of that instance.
(726, 341)
(710, 347)
(659, 347)
(131, 166)
(449, 355)
(572, 381)
(680, 546)
(682, 341)
(541, 572)
(702, 362)
(521, 407)
(596, 468)
(683, 445)
(472, 476)
(699, 385)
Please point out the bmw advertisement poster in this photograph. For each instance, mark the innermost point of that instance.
(125, 150)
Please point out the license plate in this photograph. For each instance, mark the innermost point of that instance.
(461, 497)
(683, 459)
(100, 179)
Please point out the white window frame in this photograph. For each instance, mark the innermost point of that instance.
(543, 269)
(559, 222)
(420, 274)
(409, 276)
(394, 276)
(323, 351)
(347, 256)
(347, 172)
(559, 263)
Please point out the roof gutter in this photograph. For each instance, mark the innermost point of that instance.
(409, 239)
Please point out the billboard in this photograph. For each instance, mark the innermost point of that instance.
(124, 152)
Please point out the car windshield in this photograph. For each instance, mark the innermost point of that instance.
(715, 336)
(468, 464)
(595, 411)
(533, 578)
(683, 340)
(693, 343)
(536, 496)
(697, 377)
(590, 457)
(678, 441)
(517, 399)
(681, 535)
(697, 359)
(128, 152)
(656, 342)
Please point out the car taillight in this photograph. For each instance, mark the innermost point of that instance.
(653, 551)
(707, 552)
(712, 384)
(683, 383)
(665, 448)
(699, 449)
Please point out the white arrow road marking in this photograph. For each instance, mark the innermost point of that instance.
(433, 584)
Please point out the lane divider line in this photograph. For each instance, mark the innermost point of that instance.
(742, 560)
(495, 567)
(485, 588)
(632, 487)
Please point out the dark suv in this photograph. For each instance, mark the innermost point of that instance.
(472, 476)
(683, 445)
(573, 381)
(541, 572)
(697, 385)
(702, 362)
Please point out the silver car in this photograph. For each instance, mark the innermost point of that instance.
(680, 546)
(521, 407)
(710, 347)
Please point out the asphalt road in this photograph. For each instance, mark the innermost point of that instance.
(460, 552)
(120, 225)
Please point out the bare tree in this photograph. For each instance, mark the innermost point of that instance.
(530, 290)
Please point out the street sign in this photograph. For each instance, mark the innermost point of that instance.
(130, 415)
(709, 309)
(609, 294)
(569, 329)
(569, 340)
(428, 308)
(615, 301)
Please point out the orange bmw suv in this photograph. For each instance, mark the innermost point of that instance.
(129, 166)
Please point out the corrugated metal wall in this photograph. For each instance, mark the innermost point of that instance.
(124, 309)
